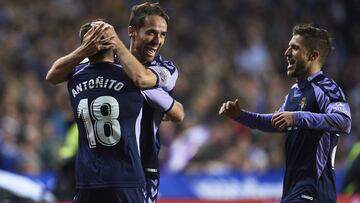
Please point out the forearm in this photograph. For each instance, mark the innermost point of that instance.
(142, 77)
(176, 113)
(257, 121)
(62, 67)
(333, 122)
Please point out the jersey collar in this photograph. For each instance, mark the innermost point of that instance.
(304, 83)
(153, 62)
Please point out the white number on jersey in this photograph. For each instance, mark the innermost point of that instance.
(104, 110)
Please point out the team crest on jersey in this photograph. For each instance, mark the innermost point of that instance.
(164, 74)
(302, 103)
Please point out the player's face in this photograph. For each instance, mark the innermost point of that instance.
(149, 39)
(297, 58)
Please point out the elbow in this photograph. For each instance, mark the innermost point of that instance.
(345, 128)
(177, 113)
(181, 113)
(50, 79)
(54, 78)
(177, 119)
(180, 118)
(50, 76)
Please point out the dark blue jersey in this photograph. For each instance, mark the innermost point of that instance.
(310, 153)
(321, 113)
(149, 140)
(108, 109)
(166, 74)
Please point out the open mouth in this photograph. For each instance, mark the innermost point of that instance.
(291, 63)
(150, 51)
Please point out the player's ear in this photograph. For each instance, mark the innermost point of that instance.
(131, 32)
(314, 55)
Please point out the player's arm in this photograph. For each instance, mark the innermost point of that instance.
(336, 119)
(332, 122)
(63, 67)
(142, 77)
(163, 102)
(176, 113)
(232, 110)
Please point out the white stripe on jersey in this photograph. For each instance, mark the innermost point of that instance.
(83, 68)
(138, 129)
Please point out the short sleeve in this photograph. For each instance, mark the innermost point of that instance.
(166, 73)
(159, 99)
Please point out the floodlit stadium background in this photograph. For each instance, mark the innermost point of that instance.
(223, 50)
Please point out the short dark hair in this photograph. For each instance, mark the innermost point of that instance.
(315, 39)
(86, 27)
(141, 11)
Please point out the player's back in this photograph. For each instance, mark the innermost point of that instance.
(107, 108)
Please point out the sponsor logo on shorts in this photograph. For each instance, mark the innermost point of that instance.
(307, 197)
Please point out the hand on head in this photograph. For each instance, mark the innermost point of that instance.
(97, 39)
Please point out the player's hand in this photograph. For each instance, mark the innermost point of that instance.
(95, 39)
(111, 34)
(282, 120)
(231, 109)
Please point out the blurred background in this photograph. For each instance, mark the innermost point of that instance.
(223, 50)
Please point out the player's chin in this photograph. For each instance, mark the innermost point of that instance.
(149, 58)
(291, 73)
(152, 57)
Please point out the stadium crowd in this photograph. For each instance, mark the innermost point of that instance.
(223, 50)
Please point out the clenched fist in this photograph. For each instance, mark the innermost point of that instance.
(231, 109)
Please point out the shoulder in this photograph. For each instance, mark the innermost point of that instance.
(159, 61)
(80, 67)
(118, 66)
(294, 86)
(329, 88)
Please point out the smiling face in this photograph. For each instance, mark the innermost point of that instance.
(147, 41)
(298, 59)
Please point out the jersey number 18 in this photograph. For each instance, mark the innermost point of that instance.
(104, 111)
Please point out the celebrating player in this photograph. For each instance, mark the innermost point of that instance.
(147, 31)
(313, 115)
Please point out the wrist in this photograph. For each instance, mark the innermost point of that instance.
(296, 118)
(119, 45)
(240, 115)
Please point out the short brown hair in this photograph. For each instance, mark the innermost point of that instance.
(141, 11)
(86, 27)
(315, 39)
